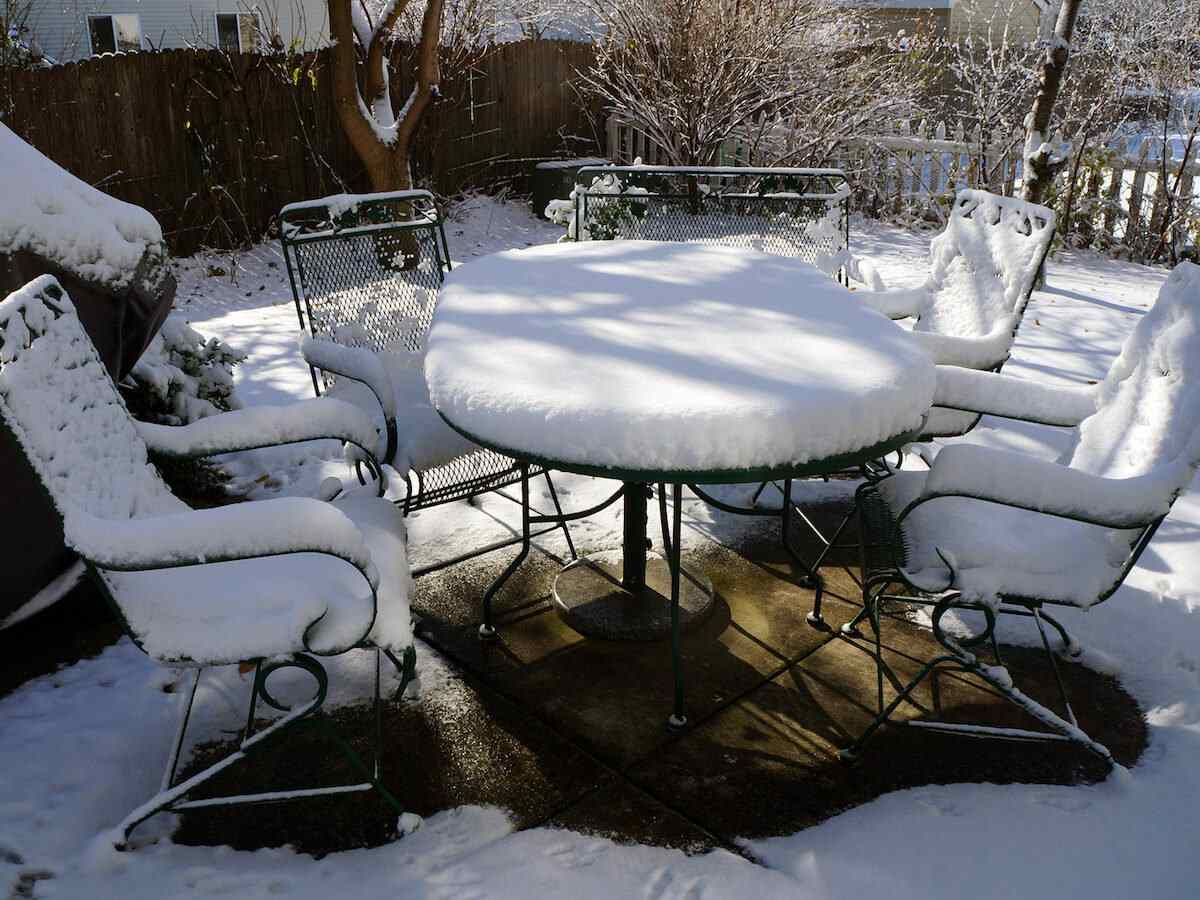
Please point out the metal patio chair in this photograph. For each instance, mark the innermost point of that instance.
(365, 272)
(803, 213)
(997, 532)
(983, 268)
(275, 583)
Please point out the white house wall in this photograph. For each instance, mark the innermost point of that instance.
(59, 27)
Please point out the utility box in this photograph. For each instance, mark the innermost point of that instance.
(554, 179)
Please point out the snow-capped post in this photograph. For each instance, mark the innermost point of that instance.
(382, 136)
(1043, 158)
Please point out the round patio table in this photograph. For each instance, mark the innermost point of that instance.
(669, 364)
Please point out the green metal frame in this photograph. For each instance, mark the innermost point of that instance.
(882, 533)
(172, 796)
(636, 480)
(682, 199)
(372, 218)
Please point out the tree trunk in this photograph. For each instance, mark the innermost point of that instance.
(1040, 162)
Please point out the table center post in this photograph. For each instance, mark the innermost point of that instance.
(634, 544)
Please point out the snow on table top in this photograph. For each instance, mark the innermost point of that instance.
(48, 211)
(668, 357)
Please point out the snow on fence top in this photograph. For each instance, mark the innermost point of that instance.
(48, 211)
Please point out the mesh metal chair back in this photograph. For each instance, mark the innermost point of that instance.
(365, 272)
(803, 213)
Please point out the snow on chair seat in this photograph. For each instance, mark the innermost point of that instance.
(999, 532)
(268, 582)
(982, 272)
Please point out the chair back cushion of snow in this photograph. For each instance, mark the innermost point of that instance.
(372, 285)
(65, 412)
(984, 264)
(1148, 406)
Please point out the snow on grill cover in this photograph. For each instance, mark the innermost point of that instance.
(669, 357)
(1146, 427)
(64, 410)
(50, 212)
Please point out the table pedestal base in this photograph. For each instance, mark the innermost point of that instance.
(592, 599)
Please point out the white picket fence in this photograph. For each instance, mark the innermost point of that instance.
(917, 169)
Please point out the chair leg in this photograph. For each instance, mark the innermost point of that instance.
(811, 577)
(559, 512)
(173, 797)
(959, 657)
(487, 629)
(678, 718)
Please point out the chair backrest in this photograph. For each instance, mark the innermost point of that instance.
(803, 213)
(1148, 411)
(366, 269)
(59, 402)
(984, 264)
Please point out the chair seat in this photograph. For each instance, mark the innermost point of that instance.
(232, 611)
(999, 551)
(425, 441)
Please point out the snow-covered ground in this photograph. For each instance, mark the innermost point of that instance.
(79, 748)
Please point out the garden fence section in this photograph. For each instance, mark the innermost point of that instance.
(214, 144)
(1116, 196)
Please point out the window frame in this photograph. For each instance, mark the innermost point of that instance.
(258, 26)
(112, 24)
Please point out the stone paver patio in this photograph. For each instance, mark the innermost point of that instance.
(565, 731)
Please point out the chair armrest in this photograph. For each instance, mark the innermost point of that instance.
(1012, 398)
(356, 363)
(264, 426)
(240, 531)
(900, 303)
(986, 352)
(1014, 479)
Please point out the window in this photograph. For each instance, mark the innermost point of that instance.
(238, 32)
(120, 33)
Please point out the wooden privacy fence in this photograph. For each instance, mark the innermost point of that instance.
(1117, 196)
(213, 144)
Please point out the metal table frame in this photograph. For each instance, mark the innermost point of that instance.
(635, 491)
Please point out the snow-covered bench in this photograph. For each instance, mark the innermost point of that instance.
(1000, 532)
(276, 582)
(982, 272)
(365, 273)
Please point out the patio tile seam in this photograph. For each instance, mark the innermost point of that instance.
(613, 771)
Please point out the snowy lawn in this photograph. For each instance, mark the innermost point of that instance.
(81, 747)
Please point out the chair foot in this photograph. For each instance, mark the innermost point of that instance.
(849, 629)
(676, 722)
(817, 621)
(487, 632)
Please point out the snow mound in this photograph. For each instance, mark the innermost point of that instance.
(48, 211)
(1143, 441)
(668, 356)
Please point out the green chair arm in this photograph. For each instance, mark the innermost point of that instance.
(1012, 398)
(264, 426)
(1017, 480)
(223, 534)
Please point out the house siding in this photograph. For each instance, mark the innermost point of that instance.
(59, 27)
